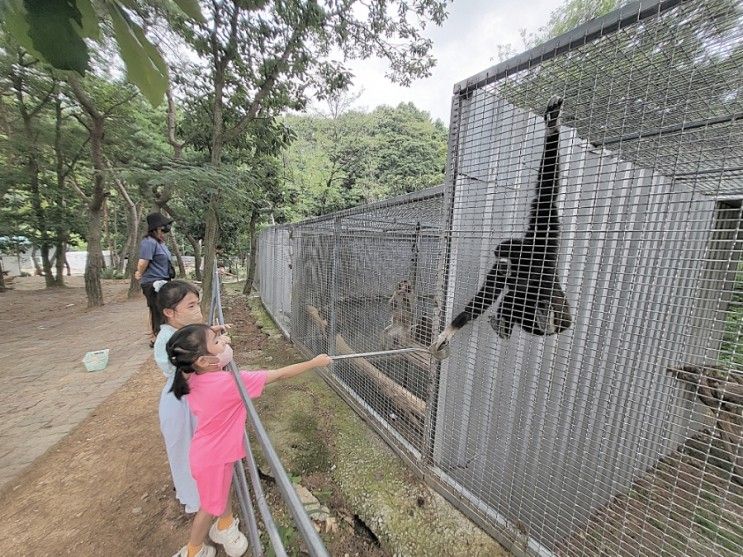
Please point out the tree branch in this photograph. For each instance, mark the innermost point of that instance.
(268, 84)
(43, 103)
(119, 184)
(76, 158)
(111, 108)
(82, 97)
(177, 147)
(77, 189)
(82, 122)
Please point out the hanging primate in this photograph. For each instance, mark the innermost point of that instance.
(525, 269)
(402, 329)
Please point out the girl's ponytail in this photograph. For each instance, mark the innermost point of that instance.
(180, 384)
(184, 348)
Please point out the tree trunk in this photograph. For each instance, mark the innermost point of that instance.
(196, 255)
(121, 262)
(135, 215)
(59, 255)
(211, 237)
(132, 222)
(94, 264)
(60, 246)
(253, 253)
(32, 165)
(107, 235)
(38, 271)
(211, 234)
(95, 206)
(36, 201)
(173, 242)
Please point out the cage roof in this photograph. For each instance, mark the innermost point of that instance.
(656, 83)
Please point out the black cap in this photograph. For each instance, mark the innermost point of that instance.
(156, 220)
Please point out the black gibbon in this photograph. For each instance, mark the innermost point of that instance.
(525, 268)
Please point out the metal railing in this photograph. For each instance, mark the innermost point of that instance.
(245, 488)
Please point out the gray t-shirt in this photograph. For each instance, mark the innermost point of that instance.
(158, 254)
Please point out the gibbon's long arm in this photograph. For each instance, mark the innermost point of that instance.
(488, 293)
(527, 266)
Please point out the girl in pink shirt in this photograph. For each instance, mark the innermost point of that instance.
(199, 355)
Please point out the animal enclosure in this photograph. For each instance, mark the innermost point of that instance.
(584, 272)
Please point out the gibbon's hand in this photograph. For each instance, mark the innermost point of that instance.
(440, 349)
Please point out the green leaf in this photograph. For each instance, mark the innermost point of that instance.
(53, 28)
(14, 16)
(89, 23)
(145, 66)
(191, 9)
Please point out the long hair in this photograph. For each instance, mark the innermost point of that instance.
(184, 348)
(170, 295)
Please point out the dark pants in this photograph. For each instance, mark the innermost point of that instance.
(151, 297)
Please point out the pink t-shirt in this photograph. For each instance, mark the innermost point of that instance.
(220, 415)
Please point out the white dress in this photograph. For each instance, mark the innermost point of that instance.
(177, 425)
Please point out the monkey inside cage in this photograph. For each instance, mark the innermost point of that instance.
(364, 281)
(591, 395)
(579, 278)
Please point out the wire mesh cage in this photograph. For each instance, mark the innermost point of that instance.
(579, 274)
(364, 281)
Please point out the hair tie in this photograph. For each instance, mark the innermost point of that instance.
(158, 284)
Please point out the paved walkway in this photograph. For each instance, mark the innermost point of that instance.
(46, 390)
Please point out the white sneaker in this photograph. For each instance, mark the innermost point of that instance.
(232, 539)
(205, 551)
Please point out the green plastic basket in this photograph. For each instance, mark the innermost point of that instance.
(96, 360)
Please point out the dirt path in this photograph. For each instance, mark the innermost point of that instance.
(104, 488)
(47, 391)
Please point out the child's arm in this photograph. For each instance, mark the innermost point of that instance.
(295, 369)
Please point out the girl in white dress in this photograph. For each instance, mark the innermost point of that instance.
(177, 306)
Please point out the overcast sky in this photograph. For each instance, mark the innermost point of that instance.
(465, 45)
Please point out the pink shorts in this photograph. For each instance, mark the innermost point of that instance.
(213, 483)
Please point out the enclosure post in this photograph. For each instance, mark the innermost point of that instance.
(333, 294)
(442, 280)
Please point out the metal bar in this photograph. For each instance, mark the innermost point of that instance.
(332, 324)
(442, 279)
(246, 507)
(682, 127)
(581, 35)
(260, 496)
(428, 193)
(380, 353)
(307, 530)
(696, 173)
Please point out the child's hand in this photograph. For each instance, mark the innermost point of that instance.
(321, 360)
(221, 329)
